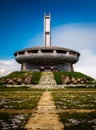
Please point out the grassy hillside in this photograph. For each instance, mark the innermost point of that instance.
(16, 74)
(35, 76)
(57, 76)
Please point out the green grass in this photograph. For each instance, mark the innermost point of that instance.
(78, 121)
(23, 88)
(65, 99)
(17, 99)
(20, 99)
(82, 99)
(72, 100)
(16, 74)
(57, 76)
(36, 77)
(21, 74)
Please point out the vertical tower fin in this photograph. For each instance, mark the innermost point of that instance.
(47, 30)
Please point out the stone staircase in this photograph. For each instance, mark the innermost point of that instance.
(47, 80)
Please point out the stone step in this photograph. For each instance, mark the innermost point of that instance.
(47, 78)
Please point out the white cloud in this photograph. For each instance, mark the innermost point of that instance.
(75, 36)
(82, 38)
(87, 63)
(8, 66)
(79, 37)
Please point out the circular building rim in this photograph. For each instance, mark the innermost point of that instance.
(36, 50)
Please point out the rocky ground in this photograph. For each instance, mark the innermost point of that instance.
(14, 121)
(71, 80)
(25, 79)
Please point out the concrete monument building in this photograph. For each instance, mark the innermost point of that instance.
(47, 57)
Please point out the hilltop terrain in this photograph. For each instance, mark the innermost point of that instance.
(33, 78)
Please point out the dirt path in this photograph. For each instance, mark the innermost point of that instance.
(45, 117)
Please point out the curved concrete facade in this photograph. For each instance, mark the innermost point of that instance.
(38, 58)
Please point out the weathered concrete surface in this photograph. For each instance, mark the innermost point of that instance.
(45, 117)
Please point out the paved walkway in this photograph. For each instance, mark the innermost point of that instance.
(45, 117)
(47, 80)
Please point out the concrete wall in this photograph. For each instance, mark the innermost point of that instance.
(61, 67)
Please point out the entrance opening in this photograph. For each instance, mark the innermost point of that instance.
(48, 68)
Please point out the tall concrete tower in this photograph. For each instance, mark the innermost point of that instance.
(47, 30)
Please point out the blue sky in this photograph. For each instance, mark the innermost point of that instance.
(73, 26)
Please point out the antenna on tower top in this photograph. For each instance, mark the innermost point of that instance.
(47, 29)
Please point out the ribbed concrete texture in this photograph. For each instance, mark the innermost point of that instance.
(45, 117)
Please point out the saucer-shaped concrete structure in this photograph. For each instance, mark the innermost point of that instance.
(40, 58)
(47, 57)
